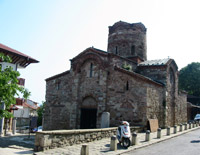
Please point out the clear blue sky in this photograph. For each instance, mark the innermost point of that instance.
(54, 31)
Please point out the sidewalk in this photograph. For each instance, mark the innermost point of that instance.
(102, 147)
(17, 144)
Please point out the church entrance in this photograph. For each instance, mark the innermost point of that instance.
(88, 118)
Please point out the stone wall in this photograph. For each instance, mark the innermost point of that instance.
(131, 98)
(58, 102)
(181, 108)
(115, 60)
(59, 138)
(157, 73)
(155, 106)
(127, 40)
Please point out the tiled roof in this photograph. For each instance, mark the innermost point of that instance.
(29, 106)
(158, 62)
(16, 56)
(99, 50)
(58, 75)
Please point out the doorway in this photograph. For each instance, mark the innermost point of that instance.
(88, 118)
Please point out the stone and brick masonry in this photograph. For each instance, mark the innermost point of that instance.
(120, 81)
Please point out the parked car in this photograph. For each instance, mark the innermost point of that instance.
(39, 128)
(197, 117)
(34, 130)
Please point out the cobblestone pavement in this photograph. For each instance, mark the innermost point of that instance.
(102, 147)
(18, 144)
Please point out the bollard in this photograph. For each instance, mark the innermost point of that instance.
(168, 131)
(147, 138)
(14, 126)
(185, 126)
(190, 127)
(113, 143)
(159, 133)
(85, 149)
(134, 138)
(181, 128)
(193, 125)
(175, 129)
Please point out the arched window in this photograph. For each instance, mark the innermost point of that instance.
(116, 50)
(132, 50)
(91, 69)
(172, 76)
(127, 85)
(57, 85)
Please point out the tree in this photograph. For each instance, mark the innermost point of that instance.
(189, 79)
(9, 87)
(40, 111)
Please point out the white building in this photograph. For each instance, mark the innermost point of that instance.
(19, 60)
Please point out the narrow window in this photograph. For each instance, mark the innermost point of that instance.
(91, 69)
(127, 85)
(116, 50)
(133, 50)
(58, 85)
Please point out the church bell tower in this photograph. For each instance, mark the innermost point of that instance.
(128, 40)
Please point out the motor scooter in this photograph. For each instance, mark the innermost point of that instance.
(124, 134)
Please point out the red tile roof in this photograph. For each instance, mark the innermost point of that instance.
(16, 56)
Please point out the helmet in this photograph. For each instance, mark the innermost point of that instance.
(125, 123)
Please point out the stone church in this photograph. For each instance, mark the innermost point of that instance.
(120, 81)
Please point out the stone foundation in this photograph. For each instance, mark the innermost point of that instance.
(59, 138)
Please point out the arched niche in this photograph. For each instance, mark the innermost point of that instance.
(89, 103)
(88, 119)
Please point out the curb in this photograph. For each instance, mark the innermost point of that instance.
(160, 140)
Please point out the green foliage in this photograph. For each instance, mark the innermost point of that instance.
(189, 79)
(5, 58)
(9, 87)
(127, 67)
(40, 111)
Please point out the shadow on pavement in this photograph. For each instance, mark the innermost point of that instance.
(195, 141)
(17, 142)
(24, 152)
(119, 147)
(107, 145)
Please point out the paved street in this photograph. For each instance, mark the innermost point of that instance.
(102, 147)
(19, 144)
(187, 144)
